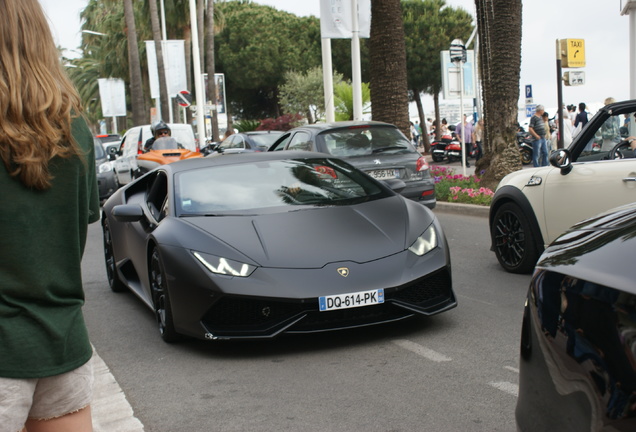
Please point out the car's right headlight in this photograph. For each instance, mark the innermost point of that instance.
(425, 243)
(104, 168)
(224, 266)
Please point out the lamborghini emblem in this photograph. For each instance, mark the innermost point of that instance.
(343, 271)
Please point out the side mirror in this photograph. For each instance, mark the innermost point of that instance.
(562, 159)
(128, 213)
(396, 185)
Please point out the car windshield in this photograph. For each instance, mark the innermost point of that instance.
(364, 141)
(247, 187)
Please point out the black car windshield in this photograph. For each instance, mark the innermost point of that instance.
(247, 187)
(266, 139)
(364, 141)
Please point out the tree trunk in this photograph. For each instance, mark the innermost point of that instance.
(156, 35)
(139, 112)
(389, 90)
(420, 111)
(210, 68)
(499, 27)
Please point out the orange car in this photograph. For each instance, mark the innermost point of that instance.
(164, 151)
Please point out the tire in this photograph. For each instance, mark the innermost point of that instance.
(513, 240)
(116, 285)
(526, 156)
(161, 299)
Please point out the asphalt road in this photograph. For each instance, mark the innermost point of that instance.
(456, 371)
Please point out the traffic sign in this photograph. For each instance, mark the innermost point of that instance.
(528, 91)
(572, 53)
(530, 109)
(184, 98)
(574, 78)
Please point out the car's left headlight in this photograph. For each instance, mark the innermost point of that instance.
(425, 243)
(224, 266)
(104, 168)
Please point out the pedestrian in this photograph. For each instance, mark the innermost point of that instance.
(49, 196)
(550, 133)
(478, 134)
(537, 130)
(567, 129)
(610, 130)
(580, 120)
(467, 138)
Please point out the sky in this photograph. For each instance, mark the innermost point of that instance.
(599, 23)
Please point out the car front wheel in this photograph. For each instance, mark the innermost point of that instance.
(161, 299)
(116, 285)
(513, 240)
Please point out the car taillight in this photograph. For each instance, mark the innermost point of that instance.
(421, 165)
(428, 192)
(140, 148)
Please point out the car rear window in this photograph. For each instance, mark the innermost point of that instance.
(364, 141)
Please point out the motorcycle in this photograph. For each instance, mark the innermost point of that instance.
(524, 142)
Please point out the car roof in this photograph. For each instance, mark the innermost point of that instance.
(342, 124)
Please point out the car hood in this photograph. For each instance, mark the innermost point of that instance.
(314, 237)
(599, 250)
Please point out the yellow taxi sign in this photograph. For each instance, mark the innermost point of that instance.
(572, 53)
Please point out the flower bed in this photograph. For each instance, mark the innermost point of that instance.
(451, 187)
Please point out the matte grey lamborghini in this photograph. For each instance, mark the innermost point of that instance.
(256, 245)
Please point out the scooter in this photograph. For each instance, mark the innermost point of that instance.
(439, 149)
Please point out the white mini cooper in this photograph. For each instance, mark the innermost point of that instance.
(597, 172)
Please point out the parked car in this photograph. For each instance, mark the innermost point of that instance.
(110, 142)
(164, 150)
(265, 243)
(246, 142)
(106, 179)
(533, 206)
(377, 148)
(578, 345)
(132, 145)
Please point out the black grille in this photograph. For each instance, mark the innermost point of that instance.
(426, 291)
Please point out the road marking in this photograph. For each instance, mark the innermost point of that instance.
(422, 350)
(510, 368)
(507, 387)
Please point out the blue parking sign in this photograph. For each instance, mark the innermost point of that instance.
(528, 91)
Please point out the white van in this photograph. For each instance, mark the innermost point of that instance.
(133, 142)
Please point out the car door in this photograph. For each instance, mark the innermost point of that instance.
(590, 188)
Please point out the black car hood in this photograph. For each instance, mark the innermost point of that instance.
(313, 237)
(599, 250)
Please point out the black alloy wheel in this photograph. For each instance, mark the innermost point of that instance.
(513, 240)
(161, 299)
(116, 285)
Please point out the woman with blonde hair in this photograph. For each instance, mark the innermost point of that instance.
(49, 196)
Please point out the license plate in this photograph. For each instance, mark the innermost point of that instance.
(384, 174)
(351, 300)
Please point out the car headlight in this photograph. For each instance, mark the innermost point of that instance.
(104, 168)
(224, 266)
(425, 243)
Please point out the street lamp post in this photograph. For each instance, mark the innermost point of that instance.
(458, 58)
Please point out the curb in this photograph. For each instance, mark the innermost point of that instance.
(463, 209)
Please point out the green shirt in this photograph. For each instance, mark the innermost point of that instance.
(42, 238)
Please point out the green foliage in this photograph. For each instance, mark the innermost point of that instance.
(303, 93)
(246, 125)
(429, 27)
(451, 187)
(343, 100)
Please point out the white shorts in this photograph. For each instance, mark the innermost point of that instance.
(44, 398)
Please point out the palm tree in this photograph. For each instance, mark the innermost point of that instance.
(389, 91)
(136, 83)
(499, 27)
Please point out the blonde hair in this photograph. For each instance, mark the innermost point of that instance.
(37, 99)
